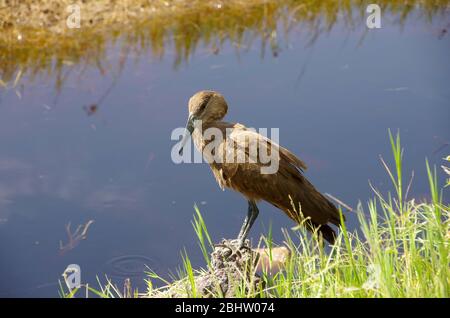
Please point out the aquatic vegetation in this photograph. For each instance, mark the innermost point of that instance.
(74, 238)
(34, 39)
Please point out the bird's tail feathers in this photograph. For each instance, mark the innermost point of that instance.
(323, 230)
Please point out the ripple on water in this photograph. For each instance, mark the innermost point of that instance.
(129, 266)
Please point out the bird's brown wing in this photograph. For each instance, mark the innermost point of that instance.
(286, 189)
(240, 132)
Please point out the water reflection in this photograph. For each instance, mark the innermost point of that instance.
(74, 238)
(129, 266)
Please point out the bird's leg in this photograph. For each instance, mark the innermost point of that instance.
(252, 214)
(244, 225)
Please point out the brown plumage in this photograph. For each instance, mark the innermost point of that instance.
(286, 189)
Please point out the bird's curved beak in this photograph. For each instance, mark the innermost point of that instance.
(188, 132)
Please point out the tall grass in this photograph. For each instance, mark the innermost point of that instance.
(401, 249)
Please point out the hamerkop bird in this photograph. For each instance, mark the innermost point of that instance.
(286, 188)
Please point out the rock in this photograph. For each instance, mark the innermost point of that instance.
(275, 262)
(231, 269)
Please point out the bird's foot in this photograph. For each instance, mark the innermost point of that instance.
(239, 244)
(235, 247)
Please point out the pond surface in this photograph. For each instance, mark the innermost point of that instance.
(99, 147)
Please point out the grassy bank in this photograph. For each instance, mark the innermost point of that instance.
(400, 249)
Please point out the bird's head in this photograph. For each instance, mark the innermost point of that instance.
(204, 106)
(207, 106)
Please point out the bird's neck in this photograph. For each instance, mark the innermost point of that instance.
(202, 134)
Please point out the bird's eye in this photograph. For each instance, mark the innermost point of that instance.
(203, 105)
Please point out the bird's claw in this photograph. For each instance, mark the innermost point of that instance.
(234, 245)
(221, 245)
